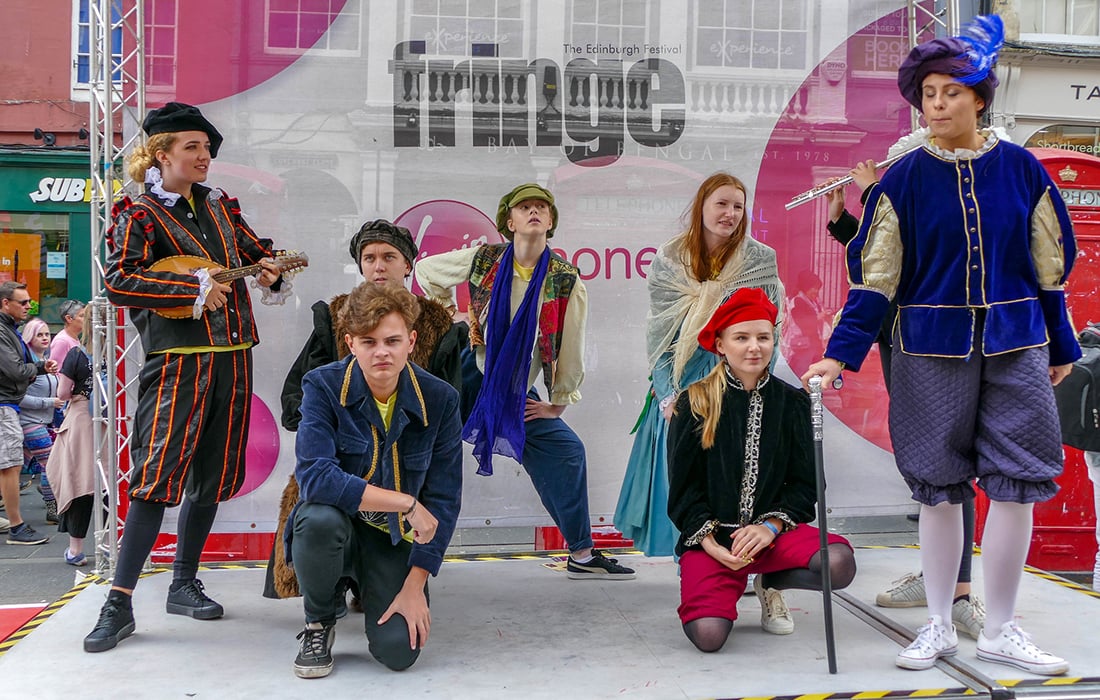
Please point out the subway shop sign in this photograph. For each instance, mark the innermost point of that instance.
(65, 189)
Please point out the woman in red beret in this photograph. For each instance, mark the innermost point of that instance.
(741, 469)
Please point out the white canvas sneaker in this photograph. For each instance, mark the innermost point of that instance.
(906, 592)
(1014, 647)
(933, 641)
(775, 617)
(969, 616)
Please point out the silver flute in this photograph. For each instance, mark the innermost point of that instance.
(816, 192)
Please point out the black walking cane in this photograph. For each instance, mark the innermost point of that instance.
(817, 419)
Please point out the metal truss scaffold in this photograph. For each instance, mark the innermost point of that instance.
(117, 104)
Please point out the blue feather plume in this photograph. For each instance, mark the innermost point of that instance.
(984, 35)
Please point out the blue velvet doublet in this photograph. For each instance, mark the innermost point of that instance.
(954, 234)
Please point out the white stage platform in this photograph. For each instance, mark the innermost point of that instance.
(518, 628)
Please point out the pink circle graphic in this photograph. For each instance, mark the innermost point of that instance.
(805, 147)
(251, 46)
(262, 452)
(443, 225)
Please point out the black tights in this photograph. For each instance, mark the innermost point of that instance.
(143, 522)
(710, 633)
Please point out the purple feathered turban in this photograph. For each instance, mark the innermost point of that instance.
(969, 58)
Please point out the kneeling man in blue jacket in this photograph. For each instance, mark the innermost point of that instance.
(379, 462)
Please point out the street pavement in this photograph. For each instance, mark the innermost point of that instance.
(37, 574)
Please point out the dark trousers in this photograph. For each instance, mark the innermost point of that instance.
(191, 426)
(553, 457)
(328, 546)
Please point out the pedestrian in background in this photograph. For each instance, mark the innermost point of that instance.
(36, 414)
(18, 369)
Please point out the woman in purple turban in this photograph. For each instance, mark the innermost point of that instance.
(970, 236)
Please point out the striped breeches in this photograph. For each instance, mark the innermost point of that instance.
(191, 426)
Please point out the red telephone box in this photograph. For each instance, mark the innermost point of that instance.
(1064, 535)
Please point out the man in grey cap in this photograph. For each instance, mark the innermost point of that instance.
(385, 254)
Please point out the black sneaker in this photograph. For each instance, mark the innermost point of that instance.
(314, 658)
(26, 535)
(599, 567)
(116, 622)
(187, 598)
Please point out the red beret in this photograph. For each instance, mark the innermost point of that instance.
(746, 304)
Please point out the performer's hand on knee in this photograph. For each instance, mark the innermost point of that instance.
(411, 604)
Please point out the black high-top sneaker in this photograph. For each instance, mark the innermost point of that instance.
(116, 622)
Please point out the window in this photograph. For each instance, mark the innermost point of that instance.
(324, 26)
(1065, 18)
(82, 44)
(1079, 139)
(879, 47)
(752, 34)
(619, 23)
(34, 250)
(160, 43)
(468, 27)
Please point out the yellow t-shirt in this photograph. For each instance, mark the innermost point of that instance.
(378, 520)
(385, 408)
(525, 273)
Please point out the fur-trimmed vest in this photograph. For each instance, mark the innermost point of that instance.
(561, 277)
(438, 344)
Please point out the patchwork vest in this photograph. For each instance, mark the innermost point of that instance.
(561, 277)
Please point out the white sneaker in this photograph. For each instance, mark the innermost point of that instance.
(5, 524)
(907, 592)
(1014, 647)
(775, 617)
(969, 616)
(933, 641)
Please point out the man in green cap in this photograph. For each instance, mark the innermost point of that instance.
(528, 309)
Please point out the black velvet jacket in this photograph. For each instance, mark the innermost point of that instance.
(705, 484)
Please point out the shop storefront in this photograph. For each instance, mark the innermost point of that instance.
(45, 227)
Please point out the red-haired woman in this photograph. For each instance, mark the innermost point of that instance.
(690, 277)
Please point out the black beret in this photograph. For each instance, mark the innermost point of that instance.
(176, 116)
(382, 231)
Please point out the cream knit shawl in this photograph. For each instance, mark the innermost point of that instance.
(680, 305)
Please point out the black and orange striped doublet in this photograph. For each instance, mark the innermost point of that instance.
(195, 389)
(147, 230)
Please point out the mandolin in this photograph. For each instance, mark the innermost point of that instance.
(285, 260)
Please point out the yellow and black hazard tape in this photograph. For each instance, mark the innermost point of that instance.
(928, 692)
(1050, 682)
(32, 624)
(1063, 582)
(861, 694)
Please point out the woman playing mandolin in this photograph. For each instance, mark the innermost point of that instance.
(195, 389)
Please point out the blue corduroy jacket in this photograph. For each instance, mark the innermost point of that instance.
(342, 444)
(948, 236)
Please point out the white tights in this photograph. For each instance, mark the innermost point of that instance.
(1005, 543)
(941, 543)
